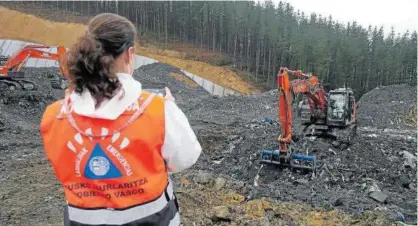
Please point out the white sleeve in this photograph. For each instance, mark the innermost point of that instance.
(181, 149)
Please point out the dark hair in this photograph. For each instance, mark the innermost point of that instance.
(91, 59)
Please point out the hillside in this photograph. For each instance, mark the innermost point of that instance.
(30, 28)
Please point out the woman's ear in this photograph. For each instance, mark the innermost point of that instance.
(131, 54)
(127, 56)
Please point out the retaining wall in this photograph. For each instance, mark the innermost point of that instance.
(10, 47)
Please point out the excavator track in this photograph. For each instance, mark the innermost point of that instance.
(343, 135)
(339, 135)
(21, 84)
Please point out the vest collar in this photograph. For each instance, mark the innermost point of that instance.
(84, 104)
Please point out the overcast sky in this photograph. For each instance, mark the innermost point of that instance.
(401, 14)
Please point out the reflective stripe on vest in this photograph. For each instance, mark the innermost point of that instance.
(112, 170)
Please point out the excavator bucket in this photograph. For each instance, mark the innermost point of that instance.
(294, 161)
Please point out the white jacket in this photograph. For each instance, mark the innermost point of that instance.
(181, 148)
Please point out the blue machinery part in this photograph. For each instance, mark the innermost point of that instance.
(297, 161)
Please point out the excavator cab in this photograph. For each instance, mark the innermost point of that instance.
(340, 107)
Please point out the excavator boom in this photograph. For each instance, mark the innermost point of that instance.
(284, 154)
(285, 110)
(11, 74)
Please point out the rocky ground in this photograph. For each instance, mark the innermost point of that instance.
(369, 183)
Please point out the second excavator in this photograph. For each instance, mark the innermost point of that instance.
(331, 114)
(11, 67)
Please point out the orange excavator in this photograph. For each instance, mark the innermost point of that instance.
(332, 114)
(10, 68)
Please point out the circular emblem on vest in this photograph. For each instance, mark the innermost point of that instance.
(99, 165)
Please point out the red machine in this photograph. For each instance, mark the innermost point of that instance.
(330, 114)
(11, 74)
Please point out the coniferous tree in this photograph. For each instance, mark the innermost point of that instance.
(261, 37)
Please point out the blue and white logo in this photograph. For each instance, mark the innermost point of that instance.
(100, 166)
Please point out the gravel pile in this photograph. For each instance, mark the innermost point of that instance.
(157, 76)
(231, 109)
(387, 107)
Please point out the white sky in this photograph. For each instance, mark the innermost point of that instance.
(401, 14)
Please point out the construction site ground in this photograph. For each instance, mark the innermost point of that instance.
(228, 186)
(371, 182)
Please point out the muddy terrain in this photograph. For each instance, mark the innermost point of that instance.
(371, 182)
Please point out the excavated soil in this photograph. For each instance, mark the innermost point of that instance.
(386, 107)
(227, 185)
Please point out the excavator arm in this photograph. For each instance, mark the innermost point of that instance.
(11, 74)
(19, 60)
(305, 84)
(285, 108)
(284, 155)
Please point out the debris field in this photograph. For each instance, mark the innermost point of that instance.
(376, 173)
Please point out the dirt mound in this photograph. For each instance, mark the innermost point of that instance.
(23, 109)
(388, 107)
(218, 75)
(33, 29)
(158, 76)
(235, 108)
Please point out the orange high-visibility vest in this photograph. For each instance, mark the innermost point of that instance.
(112, 170)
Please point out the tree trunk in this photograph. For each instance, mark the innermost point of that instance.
(166, 19)
(273, 69)
(158, 22)
(213, 32)
(257, 60)
(202, 30)
(264, 58)
(269, 67)
(235, 50)
(221, 34)
(241, 52)
(248, 49)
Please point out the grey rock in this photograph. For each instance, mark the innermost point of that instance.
(339, 201)
(221, 213)
(336, 144)
(202, 178)
(410, 160)
(219, 183)
(301, 181)
(378, 196)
